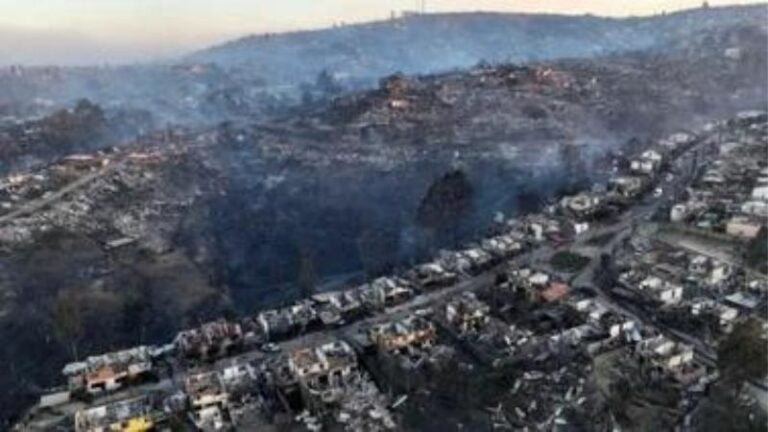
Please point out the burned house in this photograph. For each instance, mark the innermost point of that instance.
(208, 400)
(525, 281)
(661, 290)
(612, 328)
(110, 371)
(211, 340)
(665, 355)
(329, 313)
(349, 303)
(290, 320)
(303, 316)
(502, 246)
(326, 385)
(626, 186)
(275, 323)
(462, 262)
(384, 292)
(467, 313)
(433, 275)
(335, 308)
(478, 260)
(582, 334)
(537, 285)
(540, 227)
(725, 315)
(134, 414)
(581, 206)
(238, 377)
(323, 372)
(455, 262)
(412, 331)
(391, 291)
(647, 164)
(708, 271)
(371, 297)
(498, 342)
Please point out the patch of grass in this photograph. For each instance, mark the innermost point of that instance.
(568, 262)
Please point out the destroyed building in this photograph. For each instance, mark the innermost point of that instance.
(110, 371)
(133, 414)
(665, 354)
(326, 384)
(211, 340)
(466, 313)
(275, 323)
(726, 315)
(208, 399)
(662, 290)
(412, 331)
(627, 186)
(647, 164)
(433, 275)
(323, 372)
(395, 290)
(583, 205)
(336, 308)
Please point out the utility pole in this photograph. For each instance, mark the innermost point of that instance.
(423, 7)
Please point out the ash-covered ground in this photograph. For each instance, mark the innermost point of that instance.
(125, 240)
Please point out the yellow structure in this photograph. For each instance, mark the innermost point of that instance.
(138, 424)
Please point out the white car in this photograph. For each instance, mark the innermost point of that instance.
(425, 312)
(270, 347)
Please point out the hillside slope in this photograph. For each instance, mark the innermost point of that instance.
(257, 75)
(431, 43)
(185, 225)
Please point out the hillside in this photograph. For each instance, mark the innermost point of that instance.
(182, 225)
(432, 43)
(257, 76)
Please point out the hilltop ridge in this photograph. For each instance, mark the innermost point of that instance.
(438, 42)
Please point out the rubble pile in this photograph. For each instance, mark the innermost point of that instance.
(538, 399)
(84, 203)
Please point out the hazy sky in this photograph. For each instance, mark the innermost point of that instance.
(86, 31)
